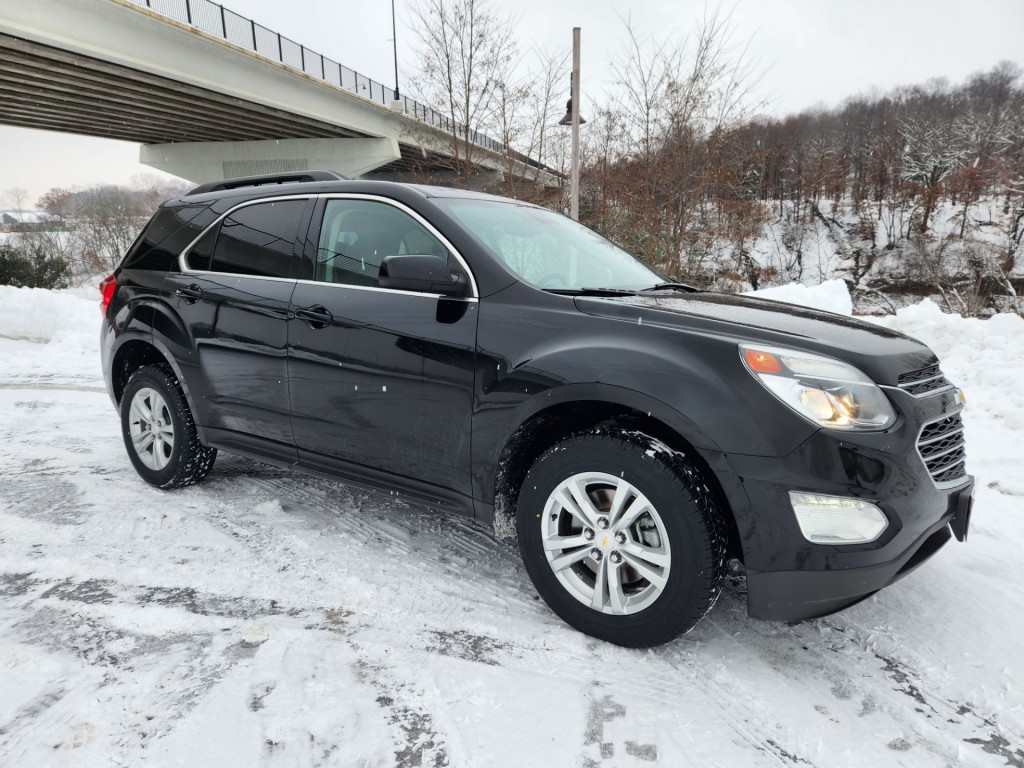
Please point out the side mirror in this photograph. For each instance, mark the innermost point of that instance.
(420, 273)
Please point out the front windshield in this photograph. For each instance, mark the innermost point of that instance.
(549, 250)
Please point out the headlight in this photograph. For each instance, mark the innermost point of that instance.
(825, 391)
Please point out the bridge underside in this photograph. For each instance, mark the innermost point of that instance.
(198, 134)
(57, 90)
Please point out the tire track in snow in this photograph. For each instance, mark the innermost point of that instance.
(411, 533)
(50, 386)
(725, 673)
(444, 543)
(811, 651)
(73, 617)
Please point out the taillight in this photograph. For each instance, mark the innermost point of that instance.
(107, 286)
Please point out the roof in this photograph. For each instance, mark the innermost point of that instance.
(27, 217)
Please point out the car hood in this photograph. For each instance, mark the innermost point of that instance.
(881, 353)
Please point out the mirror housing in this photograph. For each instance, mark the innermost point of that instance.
(422, 273)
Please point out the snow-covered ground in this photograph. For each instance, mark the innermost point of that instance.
(265, 618)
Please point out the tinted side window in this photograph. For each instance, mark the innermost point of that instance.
(259, 240)
(356, 235)
(166, 235)
(199, 255)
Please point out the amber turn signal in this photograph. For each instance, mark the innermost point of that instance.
(761, 362)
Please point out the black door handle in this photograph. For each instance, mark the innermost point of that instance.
(191, 295)
(315, 316)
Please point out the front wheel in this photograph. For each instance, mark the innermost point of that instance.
(621, 537)
(159, 431)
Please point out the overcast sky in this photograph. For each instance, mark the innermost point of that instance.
(812, 52)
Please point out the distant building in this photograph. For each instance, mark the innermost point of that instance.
(27, 221)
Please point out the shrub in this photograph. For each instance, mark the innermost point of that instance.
(31, 267)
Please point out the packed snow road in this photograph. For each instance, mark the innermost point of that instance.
(265, 618)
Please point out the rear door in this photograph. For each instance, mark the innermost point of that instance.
(379, 379)
(233, 294)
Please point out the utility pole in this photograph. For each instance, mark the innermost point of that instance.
(574, 204)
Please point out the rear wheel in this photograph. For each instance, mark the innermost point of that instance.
(159, 432)
(621, 537)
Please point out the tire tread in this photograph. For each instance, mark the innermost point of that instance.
(195, 460)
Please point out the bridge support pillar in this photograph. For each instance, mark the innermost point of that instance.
(200, 162)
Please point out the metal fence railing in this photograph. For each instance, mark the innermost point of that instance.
(218, 21)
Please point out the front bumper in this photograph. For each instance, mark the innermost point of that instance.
(790, 578)
(798, 595)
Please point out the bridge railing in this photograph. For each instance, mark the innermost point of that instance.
(221, 22)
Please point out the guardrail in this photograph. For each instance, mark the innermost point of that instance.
(216, 20)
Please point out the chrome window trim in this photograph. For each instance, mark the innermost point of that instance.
(475, 293)
(378, 289)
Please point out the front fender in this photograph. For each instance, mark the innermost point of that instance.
(614, 395)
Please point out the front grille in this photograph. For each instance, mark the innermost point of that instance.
(941, 446)
(923, 381)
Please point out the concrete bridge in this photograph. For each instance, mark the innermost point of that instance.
(210, 95)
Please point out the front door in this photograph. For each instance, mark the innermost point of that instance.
(379, 378)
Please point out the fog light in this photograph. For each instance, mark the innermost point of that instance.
(837, 519)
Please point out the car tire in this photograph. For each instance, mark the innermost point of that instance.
(621, 537)
(159, 432)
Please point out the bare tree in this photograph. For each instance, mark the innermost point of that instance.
(108, 220)
(465, 52)
(15, 199)
(667, 167)
(509, 123)
(930, 154)
(545, 87)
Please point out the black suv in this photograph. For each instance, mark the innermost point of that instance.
(483, 355)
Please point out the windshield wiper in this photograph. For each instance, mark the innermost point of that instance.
(685, 287)
(592, 291)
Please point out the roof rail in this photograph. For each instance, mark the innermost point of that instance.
(293, 177)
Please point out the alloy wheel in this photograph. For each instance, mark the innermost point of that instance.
(606, 543)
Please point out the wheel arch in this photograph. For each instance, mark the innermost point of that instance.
(555, 417)
(131, 354)
(153, 346)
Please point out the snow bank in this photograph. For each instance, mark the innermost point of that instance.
(985, 357)
(36, 314)
(64, 326)
(830, 296)
(953, 335)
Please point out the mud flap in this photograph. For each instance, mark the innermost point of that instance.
(962, 519)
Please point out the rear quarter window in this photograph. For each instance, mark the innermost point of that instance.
(166, 235)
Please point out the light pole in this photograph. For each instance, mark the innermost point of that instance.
(572, 117)
(394, 42)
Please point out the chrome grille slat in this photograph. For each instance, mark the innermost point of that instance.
(925, 381)
(946, 452)
(921, 373)
(945, 467)
(937, 438)
(941, 447)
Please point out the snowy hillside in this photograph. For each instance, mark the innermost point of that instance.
(270, 619)
(877, 251)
